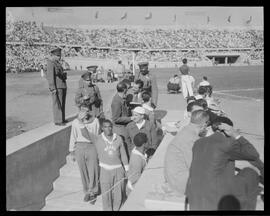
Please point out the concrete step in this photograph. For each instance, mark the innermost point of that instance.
(72, 202)
(71, 169)
(68, 183)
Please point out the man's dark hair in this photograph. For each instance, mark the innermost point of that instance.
(202, 90)
(192, 104)
(184, 61)
(175, 75)
(126, 81)
(204, 77)
(146, 96)
(140, 82)
(121, 87)
(106, 121)
(190, 98)
(219, 120)
(140, 139)
(202, 103)
(119, 62)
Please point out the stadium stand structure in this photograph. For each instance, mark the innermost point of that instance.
(27, 44)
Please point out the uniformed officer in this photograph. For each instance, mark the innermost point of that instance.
(89, 94)
(92, 70)
(185, 79)
(149, 81)
(57, 84)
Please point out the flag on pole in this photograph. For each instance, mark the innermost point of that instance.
(124, 16)
(229, 19)
(96, 15)
(249, 20)
(208, 19)
(148, 16)
(174, 18)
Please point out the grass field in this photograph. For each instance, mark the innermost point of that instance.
(28, 101)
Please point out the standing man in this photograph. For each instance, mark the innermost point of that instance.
(212, 172)
(84, 132)
(120, 71)
(89, 94)
(149, 82)
(113, 164)
(119, 110)
(185, 79)
(57, 84)
(178, 156)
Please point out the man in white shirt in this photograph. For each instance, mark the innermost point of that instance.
(120, 71)
(204, 82)
(84, 132)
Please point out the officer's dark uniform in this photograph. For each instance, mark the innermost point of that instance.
(58, 87)
(149, 81)
(89, 95)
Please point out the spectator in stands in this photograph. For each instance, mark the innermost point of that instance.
(137, 162)
(84, 132)
(113, 164)
(178, 155)
(216, 156)
(185, 80)
(140, 124)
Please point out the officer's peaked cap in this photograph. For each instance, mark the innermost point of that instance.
(86, 76)
(143, 64)
(92, 67)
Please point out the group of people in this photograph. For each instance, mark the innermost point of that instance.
(111, 149)
(137, 38)
(200, 161)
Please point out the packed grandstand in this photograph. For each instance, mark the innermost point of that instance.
(28, 43)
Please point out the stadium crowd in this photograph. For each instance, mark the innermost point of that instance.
(86, 41)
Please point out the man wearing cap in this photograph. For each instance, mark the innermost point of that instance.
(89, 94)
(185, 80)
(141, 125)
(149, 81)
(57, 84)
(212, 172)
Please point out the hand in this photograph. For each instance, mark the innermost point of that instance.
(229, 130)
(53, 91)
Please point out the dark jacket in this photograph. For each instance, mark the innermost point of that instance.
(148, 128)
(119, 111)
(55, 75)
(212, 171)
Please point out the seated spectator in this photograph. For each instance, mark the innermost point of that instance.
(201, 93)
(140, 124)
(174, 84)
(216, 156)
(137, 161)
(204, 82)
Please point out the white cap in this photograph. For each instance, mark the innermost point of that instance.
(139, 110)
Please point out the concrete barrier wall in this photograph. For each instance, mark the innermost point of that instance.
(33, 160)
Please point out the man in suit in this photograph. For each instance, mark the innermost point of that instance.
(57, 84)
(119, 112)
(178, 155)
(212, 172)
(149, 82)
